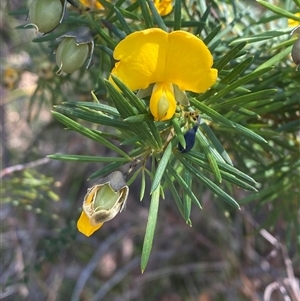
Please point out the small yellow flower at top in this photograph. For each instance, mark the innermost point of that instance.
(167, 63)
(292, 22)
(164, 7)
(93, 4)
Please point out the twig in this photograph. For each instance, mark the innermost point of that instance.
(291, 281)
(184, 269)
(18, 167)
(272, 287)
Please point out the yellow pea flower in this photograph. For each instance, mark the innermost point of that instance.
(164, 7)
(294, 23)
(93, 4)
(172, 62)
(102, 203)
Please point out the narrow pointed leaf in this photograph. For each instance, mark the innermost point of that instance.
(177, 15)
(161, 167)
(230, 55)
(97, 106)
(210, 112)
(241, 81)
(279, 11)
(186, 198)
(178, 132)
(183, 185)
(236, 71)
(212, 35)
(139, 118)
(91, 116)
(249, 133)
(214, 140)
(122, 21)
(210, 156)
(130, 96)
(175, 194)
(143, 185)
(150, 229)
(146, 13)
(223, 166)
(276, 58)
(211, 185)
(244, 99)
(87, 133)
(82, 158)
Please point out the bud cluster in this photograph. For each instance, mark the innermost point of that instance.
(75, 48)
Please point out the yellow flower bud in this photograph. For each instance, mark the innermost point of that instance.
(70, 56)
(45, 15)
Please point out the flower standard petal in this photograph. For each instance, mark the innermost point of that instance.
(84, 225)
(141, 57)
(189, 62)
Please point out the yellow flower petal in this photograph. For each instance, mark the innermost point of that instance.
(142, 57)
(162, 101)
(152, 56)
(84, 226)
(189, 63)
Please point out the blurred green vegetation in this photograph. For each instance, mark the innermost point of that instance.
(227, 254)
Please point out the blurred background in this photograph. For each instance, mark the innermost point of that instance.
(251, 254)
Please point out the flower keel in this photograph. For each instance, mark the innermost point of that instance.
(162, 101)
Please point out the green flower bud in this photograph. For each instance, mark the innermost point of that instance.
(296, 52)
(70, 55)
(45, 15)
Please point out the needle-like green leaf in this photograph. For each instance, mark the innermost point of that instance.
(161, 167)
(150, 229)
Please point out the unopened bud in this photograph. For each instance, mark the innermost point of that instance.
(77, 46)
(45, 15)
(70, 56)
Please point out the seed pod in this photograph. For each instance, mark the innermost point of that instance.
(70, 56)
(296, 52)
(77, 46)
(45, 15)
(103, 202)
